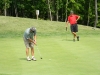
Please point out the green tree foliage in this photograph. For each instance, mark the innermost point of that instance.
(98, 14)
(60, 9)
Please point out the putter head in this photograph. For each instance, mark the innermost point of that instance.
(66, 28)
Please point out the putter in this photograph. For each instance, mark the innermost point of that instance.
(66, 28)
(39, 52)
(66, 34)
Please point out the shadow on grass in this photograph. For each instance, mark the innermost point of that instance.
(66, 40)
(22, 58)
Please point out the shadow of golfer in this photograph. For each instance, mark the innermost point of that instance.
(22, 58)
(66, 40)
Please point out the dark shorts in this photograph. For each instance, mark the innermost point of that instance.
(74, 28)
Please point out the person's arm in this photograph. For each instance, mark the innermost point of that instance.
(78, 18)
(28, 38)
(35, 39)
(32, 41)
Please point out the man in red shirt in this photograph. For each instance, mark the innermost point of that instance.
(72, 19)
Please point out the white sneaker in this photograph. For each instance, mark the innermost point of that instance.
(28, 59)
(34, 59)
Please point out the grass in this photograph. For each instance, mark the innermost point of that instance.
(61, 56)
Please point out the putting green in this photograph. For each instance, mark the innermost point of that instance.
(61, 56)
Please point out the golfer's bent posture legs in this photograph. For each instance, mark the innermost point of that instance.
(32, 51)
(29, 45)
(29, 38)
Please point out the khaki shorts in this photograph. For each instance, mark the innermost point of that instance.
(28, 44)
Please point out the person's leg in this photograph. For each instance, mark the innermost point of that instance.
(27, 49)
(73, 32)
(75, 29)
(74, 35)
(32, 52)
(27, 52)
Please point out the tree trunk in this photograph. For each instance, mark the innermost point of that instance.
(57, 15)
(50, 10)
(16, 12)
(88, 14)
(5, 10)
(66, 9)
(96, 14)
(57, 8)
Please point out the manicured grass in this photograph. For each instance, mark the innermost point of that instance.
(61, 56)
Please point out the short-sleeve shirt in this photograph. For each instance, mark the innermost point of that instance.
(28, 34)
(72, 19)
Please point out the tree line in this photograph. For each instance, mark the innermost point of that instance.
(54, 10)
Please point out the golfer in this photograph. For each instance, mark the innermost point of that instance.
(72, 19)
(29, 40)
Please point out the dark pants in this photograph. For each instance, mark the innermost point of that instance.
(74, 28)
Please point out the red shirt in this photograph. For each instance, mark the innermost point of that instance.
(72, 19)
